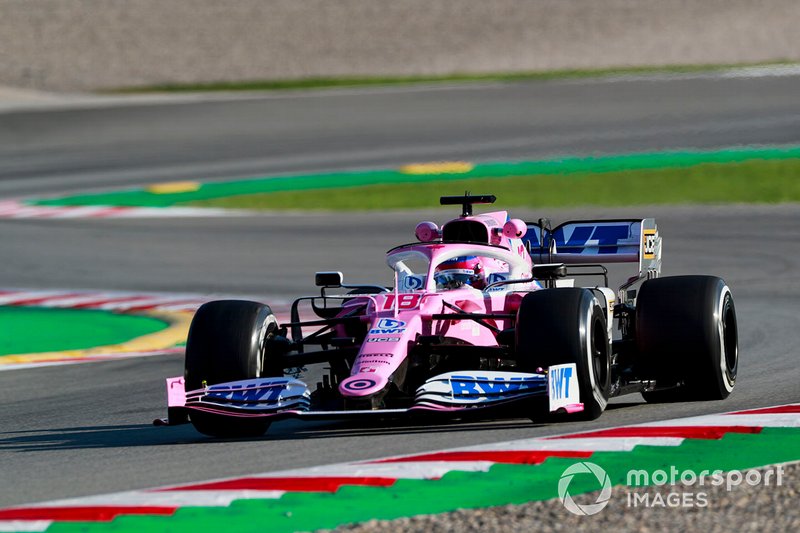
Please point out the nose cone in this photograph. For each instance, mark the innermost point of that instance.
(362, 385)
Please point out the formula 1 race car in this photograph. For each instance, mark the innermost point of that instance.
(486, 315)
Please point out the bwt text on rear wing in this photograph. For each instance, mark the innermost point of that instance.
(597, 241)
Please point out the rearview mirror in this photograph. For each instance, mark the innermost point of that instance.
(328, 279)
(549, 271)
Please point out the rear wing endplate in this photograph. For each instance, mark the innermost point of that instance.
(597, 241)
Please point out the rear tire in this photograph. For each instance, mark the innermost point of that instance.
(567, 325)
(227, 343)
(687, 337)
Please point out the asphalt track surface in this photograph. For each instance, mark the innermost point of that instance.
(84, 429)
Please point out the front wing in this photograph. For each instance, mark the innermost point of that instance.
(453, 393)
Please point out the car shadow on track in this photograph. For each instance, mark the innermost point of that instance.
(89, 437)
(317, 430)
(138, 435)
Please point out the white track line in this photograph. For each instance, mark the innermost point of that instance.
(119, 300)
(13, 526)
(747, 420)
(21, 210)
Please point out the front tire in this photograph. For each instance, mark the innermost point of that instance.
(226, 342)
(687, 338)
(567, 325)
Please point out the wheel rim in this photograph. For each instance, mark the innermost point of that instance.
(266, 333)
(729, 337)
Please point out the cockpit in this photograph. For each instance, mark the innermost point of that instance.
(435, 268)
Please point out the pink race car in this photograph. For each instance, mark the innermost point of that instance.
(485, 317)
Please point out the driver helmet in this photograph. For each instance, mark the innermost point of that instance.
(460, 271)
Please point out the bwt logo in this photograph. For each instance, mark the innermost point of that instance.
(388, 326)
(263, 394)
(559, 382)
(483, 385)
(390, 323)
(413, 283)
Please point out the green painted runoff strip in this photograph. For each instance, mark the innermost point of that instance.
(755, 181)
(37, 329)
(502, 485)
(332, 180)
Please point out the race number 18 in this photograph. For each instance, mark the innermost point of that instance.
(404, 301)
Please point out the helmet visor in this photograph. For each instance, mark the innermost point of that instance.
(453, 279)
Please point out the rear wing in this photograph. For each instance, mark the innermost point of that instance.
(597, 241)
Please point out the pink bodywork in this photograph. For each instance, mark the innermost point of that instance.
(397, 318)
(176, 392)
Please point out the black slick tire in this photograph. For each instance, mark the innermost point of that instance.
(567, 325)
(226, 342)
(687, 337)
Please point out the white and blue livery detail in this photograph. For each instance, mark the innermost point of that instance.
(562, 386)
(254, 395)
(618, 241)
(482, 387)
